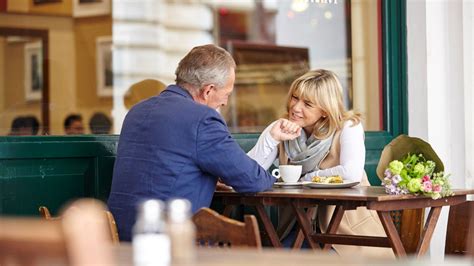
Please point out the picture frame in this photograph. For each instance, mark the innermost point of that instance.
(33, 74)
(86, 8)
(104, 64)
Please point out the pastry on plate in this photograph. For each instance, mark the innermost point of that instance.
(336, 179)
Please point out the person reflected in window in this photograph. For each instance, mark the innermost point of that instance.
(73, 125)
(331, 143)
(176, 144)
(24, 126)
(100, 124)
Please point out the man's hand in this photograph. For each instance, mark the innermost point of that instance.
(222, 187)
(284, 129)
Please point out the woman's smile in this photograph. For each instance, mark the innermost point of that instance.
(295, 117)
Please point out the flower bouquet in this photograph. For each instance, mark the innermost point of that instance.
(409, 165)
(414, 174)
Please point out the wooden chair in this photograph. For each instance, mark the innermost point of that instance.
(213, 229)
(44, 211)
(460, 231)
(29, 241)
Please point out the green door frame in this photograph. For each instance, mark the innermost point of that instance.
(394, 88)
(395, 68)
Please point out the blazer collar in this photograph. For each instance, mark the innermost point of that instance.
(177, 89)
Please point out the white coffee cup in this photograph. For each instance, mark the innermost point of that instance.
(289, 173)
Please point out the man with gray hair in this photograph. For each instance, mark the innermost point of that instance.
(176, 145)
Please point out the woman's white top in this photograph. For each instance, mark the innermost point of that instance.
(352, 153)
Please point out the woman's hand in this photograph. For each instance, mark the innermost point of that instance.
(284, 129)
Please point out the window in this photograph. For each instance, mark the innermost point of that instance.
(148, 38)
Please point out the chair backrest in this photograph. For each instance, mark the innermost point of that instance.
(44, 212)
(460, 231)
(30, 241)
(213, 229)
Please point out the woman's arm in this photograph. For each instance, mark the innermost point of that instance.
(352, 155)
(265, 150)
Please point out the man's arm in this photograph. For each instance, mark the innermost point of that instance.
(220, 155)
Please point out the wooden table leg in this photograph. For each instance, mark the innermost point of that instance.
(305, 225)
(300, 236)
(268, 226)
(428, 231)
(334, 223)
(392, 233)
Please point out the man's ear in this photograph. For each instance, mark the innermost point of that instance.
(206, 90)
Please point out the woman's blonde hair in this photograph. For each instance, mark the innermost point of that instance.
(322, 87)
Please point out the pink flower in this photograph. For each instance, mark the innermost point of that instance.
(427, 186)
(426, 178)
(436, 188)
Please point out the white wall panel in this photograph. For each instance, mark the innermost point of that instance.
(184, 40)
(437, 90)
(139, 34)
(196, 17)
(137, 61)
(138, 10)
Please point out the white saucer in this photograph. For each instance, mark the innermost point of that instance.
(290, 184)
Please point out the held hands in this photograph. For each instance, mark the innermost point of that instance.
(285, 130)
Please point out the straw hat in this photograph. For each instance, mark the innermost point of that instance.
(142, 90)
(403, 144)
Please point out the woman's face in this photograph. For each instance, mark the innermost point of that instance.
(304, 113)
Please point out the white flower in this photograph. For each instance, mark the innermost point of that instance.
(387, 173)
(396, 179)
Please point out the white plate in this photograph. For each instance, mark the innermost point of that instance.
(290, 184)
(346, 184)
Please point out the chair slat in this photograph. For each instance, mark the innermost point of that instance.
(225, 232)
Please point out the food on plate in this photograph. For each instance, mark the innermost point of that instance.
(328, 179)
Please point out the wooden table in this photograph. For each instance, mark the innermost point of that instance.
(374, 198)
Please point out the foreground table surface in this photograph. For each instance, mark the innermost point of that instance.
(272, 257)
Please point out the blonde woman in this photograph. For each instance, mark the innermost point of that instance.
(330, 142)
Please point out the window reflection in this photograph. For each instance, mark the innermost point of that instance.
(99, 49)
(21, 71)
(263, 76)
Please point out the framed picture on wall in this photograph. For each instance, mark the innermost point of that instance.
(33, 74)
(104, 65)
(86, 8)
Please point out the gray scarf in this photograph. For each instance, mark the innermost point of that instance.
(308, 152)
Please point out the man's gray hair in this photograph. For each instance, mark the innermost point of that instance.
(204, 65)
